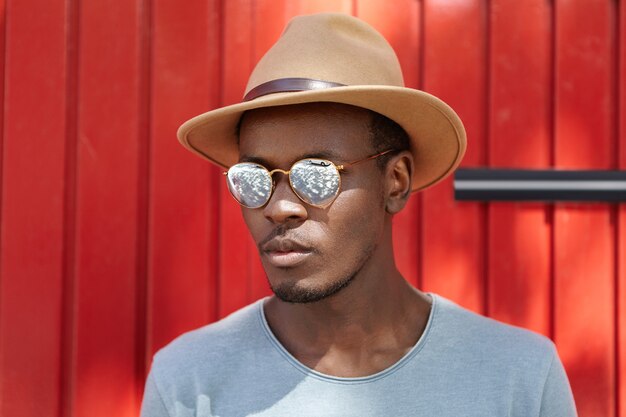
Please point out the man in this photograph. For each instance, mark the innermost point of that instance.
(324, 150)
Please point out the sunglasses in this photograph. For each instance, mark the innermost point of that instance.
(315, 181)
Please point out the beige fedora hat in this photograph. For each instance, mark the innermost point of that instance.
(332, 57)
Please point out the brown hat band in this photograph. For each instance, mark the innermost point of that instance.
(284, 85)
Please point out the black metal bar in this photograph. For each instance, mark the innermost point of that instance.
(539, 185)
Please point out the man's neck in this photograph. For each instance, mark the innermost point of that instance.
(368, 325)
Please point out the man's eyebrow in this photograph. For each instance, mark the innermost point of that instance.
(249, 158)
(330, 155)
(322, 155)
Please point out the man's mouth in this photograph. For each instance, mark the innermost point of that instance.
(284, 259)
(283, 253)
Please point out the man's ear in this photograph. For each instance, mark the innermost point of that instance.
(398, 178)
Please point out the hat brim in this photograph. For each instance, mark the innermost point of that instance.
(437, 135)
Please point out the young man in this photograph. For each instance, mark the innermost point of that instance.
(325, 148)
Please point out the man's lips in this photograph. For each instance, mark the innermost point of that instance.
(285, 252)
(284, 245)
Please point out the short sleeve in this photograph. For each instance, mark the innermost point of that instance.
(152, 404)
(557, 399)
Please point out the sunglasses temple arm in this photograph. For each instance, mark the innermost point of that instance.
(358, 161)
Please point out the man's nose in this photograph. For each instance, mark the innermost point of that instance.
(284, 205)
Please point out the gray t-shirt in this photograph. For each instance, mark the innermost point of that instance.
(464, 364)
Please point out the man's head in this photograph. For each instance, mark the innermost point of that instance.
(336, 58)
(310, 253)
(321, 91)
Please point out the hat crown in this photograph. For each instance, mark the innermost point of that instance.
(330, 47)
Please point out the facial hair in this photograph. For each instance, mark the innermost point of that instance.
(291, 293)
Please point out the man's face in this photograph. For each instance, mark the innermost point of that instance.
(311, 253)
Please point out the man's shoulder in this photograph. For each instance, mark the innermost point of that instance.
(211, 343)
(489, 340)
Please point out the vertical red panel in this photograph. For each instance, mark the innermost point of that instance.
(2, 113)
(184, 193)
(454, 70)
(236, 246)
(299, 7)
(32, 238)
(400, 25)
(520, 117)
(109, 149)
(621, 232)
(584, 234)
(269, 18)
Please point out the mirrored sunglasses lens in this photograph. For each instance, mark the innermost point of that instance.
(316, 181)
(250, 184)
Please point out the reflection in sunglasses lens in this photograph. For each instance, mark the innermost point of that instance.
(250, 184)
(315, 180)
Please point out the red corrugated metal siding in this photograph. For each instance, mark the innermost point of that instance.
(114, 239)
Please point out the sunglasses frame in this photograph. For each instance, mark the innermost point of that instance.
(338, 168)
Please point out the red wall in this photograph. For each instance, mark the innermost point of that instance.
(114, 239)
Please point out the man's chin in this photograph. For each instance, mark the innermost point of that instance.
(298, 294)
